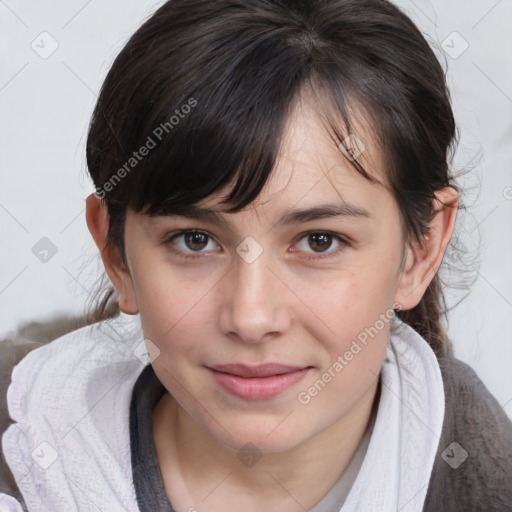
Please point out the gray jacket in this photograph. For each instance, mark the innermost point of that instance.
(473, 466)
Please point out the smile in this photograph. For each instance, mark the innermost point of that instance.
(257, 382)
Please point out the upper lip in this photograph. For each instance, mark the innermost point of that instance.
(262, 370)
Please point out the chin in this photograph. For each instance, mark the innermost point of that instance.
(256, 435)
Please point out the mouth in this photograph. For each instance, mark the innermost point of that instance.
(257, 382)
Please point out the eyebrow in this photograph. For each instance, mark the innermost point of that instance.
(288, 217)
(323, 212)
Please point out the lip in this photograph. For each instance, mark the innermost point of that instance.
(257, 382)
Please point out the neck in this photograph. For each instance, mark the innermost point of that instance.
(302, 475)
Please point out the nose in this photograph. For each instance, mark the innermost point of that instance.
(254, 307)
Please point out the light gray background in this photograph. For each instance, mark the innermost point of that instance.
(46, 104)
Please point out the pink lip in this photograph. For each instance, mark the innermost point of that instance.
(257, 382)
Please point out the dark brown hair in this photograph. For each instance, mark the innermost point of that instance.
(206, 87)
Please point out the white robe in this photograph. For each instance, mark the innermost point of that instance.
(70, 448)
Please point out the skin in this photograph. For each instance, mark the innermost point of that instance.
(282, 307)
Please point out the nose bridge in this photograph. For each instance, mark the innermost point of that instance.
(254, 301)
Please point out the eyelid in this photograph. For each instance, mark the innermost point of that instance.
(342, 239)
(169, 237)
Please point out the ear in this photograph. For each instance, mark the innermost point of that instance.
(97, 217)
(423, 261)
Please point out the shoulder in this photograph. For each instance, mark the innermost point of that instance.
(13, 349)
(40, 379)
(473, 465)
(11, 353)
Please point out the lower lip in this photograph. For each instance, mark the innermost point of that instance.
(259, 388)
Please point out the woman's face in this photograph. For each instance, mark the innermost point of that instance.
(311, 298)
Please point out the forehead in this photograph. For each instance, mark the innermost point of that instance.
(312, 178)
(311, 169)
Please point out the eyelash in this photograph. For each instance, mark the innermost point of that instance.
(168, 240)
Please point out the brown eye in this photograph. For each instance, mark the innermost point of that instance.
(195, 240)
(320, 241)
(191, 243)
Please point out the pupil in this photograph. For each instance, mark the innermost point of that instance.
(194, 239)
(320, 241)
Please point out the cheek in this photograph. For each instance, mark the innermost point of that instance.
(339, 387)
(354, 300)
(173, 306)
(358, 313)
(359, 321)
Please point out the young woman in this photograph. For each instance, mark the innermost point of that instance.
(273, 201)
